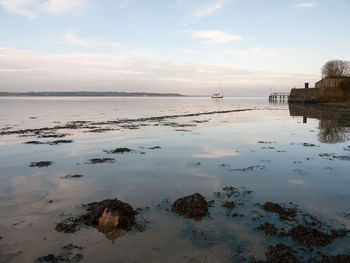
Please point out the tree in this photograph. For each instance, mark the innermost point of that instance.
(336, 68)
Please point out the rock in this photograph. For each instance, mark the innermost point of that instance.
(114, 213)
(192, 206)
(108, 215)
(280, 254)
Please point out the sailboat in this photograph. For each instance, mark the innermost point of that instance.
(219, 94)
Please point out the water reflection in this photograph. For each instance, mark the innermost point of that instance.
(334, 122)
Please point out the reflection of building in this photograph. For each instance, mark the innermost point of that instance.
(334, 120)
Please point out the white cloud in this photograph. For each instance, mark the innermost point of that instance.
(215, 36)
(73, 39)
(32, 8)
(123, 3)
(263, 52)
(64, 6)
(4, 51)
(303, 5)
(20, 7)
(209, 9)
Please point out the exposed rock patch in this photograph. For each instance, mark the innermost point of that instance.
(41, 164)
(112, 217)
(155, 148)
(192, 206)
(101, 160)
(118, 150)
(74, 176)
(305, 144)
(250, 168)
(60, 142)
(34, 142)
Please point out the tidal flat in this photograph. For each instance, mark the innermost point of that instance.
(173, 180)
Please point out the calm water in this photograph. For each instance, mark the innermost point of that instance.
(199, 153)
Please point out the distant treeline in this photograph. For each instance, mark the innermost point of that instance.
(91, 93)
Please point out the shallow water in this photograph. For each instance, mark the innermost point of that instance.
(261, 147)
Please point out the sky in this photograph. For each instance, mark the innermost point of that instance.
(249, 47)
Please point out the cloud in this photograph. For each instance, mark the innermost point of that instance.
(215, 36)
(32, 8)
(257, 51)
(4, 51)
(124, 3)
(20, 7)
(307, 4)
(22, 70)
(210, 152)
(71, 38)
(209, 9)
(60, 7)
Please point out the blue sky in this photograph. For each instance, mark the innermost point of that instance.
(186, 46)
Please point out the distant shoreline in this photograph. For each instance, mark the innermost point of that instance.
(88, 94)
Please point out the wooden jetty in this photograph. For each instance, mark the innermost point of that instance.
(278, 95)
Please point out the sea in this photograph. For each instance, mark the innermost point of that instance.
(239, 153)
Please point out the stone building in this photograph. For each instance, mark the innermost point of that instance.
(326, 90)
(330, 82)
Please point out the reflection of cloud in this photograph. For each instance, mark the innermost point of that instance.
(28, 192)
(214, 180)
(304, 5)
(205, 176)
(297, 181)
(208, 152)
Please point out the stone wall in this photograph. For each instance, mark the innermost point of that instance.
(326, 90)
(305, 95)
(330, 82)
